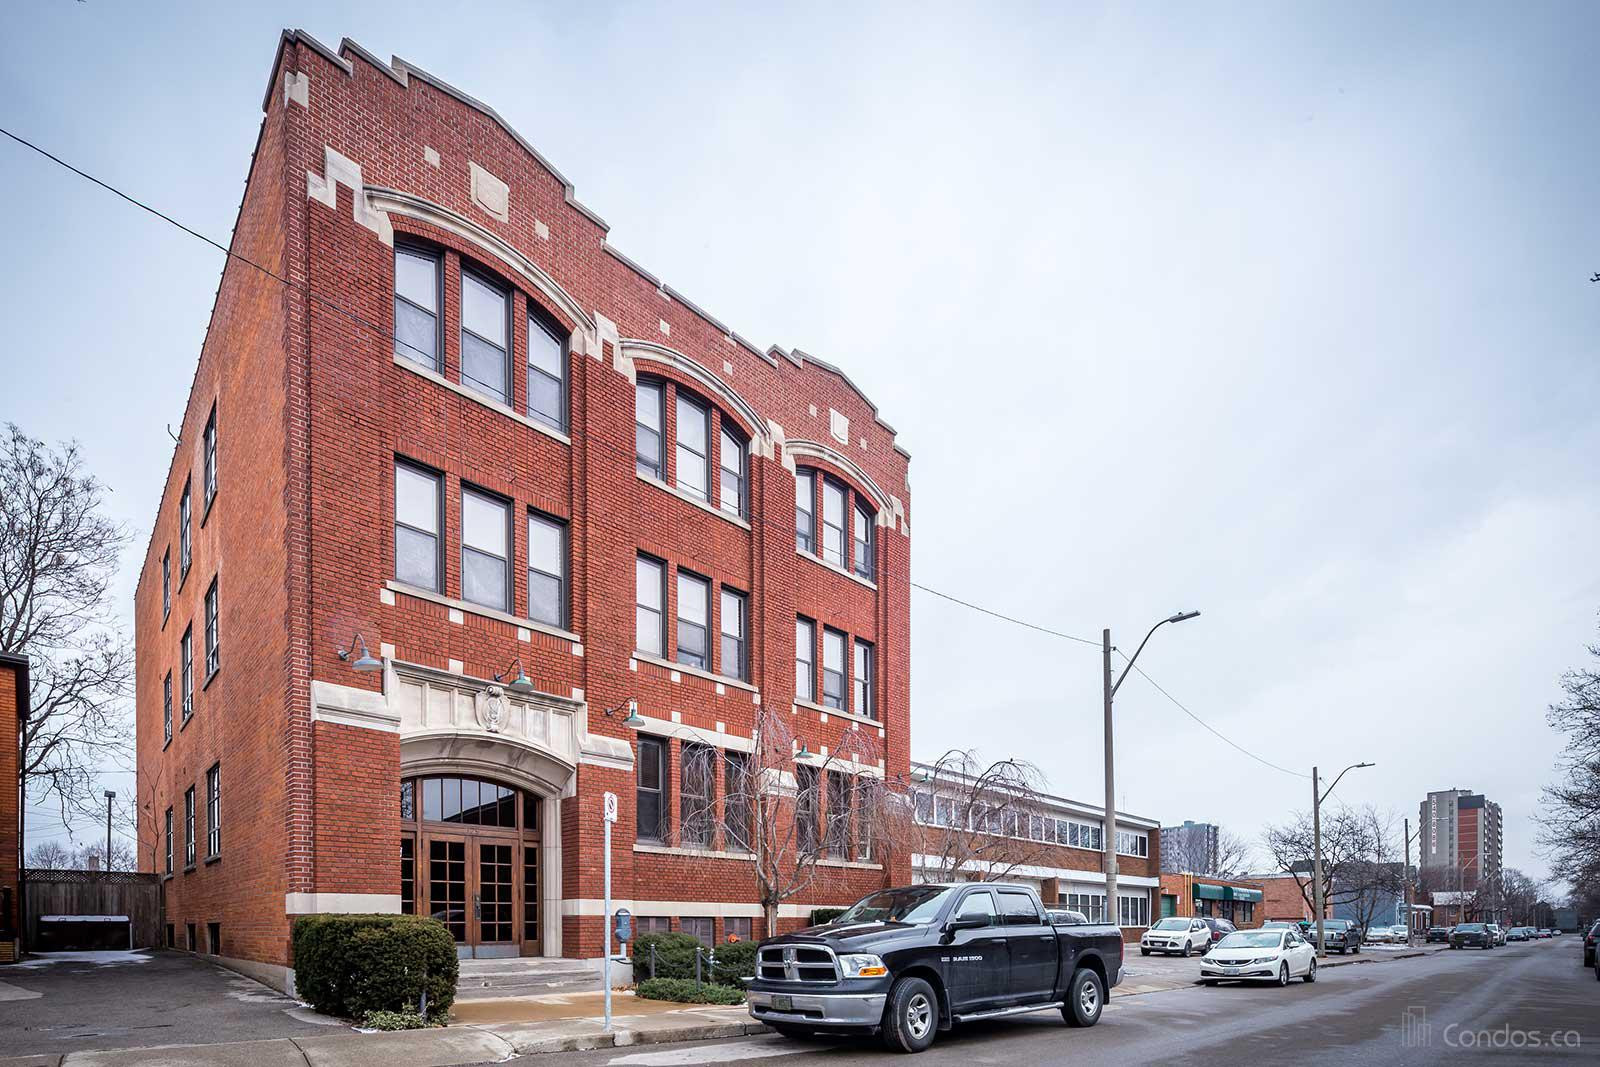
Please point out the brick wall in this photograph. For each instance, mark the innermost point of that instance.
(313, 411)
(10, 845)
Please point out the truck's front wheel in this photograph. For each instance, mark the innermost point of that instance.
(1086, 998)
(912, 1017)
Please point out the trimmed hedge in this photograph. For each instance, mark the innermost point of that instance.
(823, 916)
(735, 960)
(675, 959)
(684, 991)
(350, 965)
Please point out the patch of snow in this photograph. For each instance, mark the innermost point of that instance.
(100, 958)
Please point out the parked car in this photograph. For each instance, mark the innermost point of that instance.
(1471, 935)
(909, 962)
(1340, 935)
(1220, 928)
(1263, 955)
(1400, 934)
(1590, 940)
(1546, 932)
(1065, 917)
(1176, 934)
(1380, 935)
(1497, 932)
(1517, 933)
(1439, 935)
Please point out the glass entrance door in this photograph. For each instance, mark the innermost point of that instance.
(493, 904)
(447, 884)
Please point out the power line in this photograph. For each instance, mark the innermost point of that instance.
(390, 335)
(1179, 705)
(1007, 618)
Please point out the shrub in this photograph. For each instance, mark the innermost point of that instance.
(674, 956)
(820, 916)
(351, 964)
(393, 1020)
(684, 991)
(735, 960)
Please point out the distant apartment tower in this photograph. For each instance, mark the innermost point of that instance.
(1461, 836)
(1190, 847)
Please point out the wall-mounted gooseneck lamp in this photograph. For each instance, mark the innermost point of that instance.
(633, 719)
(365, 661)
(521, 683)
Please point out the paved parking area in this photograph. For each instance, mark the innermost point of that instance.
(72, 1001)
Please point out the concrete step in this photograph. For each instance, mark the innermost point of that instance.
(486, 979)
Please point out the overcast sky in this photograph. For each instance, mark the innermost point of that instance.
(1280, 312)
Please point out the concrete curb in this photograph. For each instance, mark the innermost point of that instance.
(450, 1047)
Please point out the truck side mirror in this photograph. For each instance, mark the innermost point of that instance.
(975, 922)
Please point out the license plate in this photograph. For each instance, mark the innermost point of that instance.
(1230, 970)
(782, 1002)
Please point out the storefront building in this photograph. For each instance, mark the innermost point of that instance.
(471, 522)
(1240, 902)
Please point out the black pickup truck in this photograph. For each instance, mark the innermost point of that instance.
(907, 963)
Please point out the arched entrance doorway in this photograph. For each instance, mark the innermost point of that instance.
(469, 857)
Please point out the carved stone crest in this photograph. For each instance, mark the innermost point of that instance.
(492, 708)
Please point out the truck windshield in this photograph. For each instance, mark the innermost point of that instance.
(914, 905)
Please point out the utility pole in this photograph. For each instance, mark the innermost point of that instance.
(1405, 873)
(1110, 832)
(1316, 861)
(1317, 797)
(1109, 844)
(110, 796)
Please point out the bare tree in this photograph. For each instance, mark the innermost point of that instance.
(790, 810)
(1570, 814)
(1355, 853)
(55, 855)
(977, 821)
(52, 856)
(58, 554)
(1235, 856)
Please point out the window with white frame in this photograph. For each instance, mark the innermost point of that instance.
(186, 663)
(211, 456)
(731, 460)
(214, 811)
(651, 791)
(693, 457)
(547, 374)
(833, 668)
(805, 511)
(416, 306)
(805, 660)
(485, 549)
(1133, 910)
(418, 495)
(1092, 905)
(862, 692)
(213, 631)
(649, 583)
(647, 421)
(485, 323)
(1132, 843)
(732, 623)
(694, 617)
(547, 569)
(833, 512)
(169, 841)
(863, 559)
(697, 794)
(166, 707)
(188, 827)
(185, 544)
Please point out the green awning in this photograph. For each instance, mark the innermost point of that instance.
(1240, 893)
(1210, 892)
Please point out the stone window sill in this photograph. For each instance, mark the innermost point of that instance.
(836, 713)
(835, 568)
(703, 505)
(478, 398)
(696, 853)
(684, 668)
(469, 608)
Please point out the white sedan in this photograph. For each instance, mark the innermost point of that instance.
(1260, 956)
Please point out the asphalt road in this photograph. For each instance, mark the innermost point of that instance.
(1523, 1003)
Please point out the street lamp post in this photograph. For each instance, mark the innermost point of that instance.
(1316, 848)
(111, 795)
(1109, 844)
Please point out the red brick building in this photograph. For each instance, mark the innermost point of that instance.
(14, 698)
(459, 484)
(1239, 901)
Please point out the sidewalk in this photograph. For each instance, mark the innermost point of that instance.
(1381, 953)
(536, 1024)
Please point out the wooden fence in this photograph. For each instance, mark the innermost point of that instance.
(62, 892)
